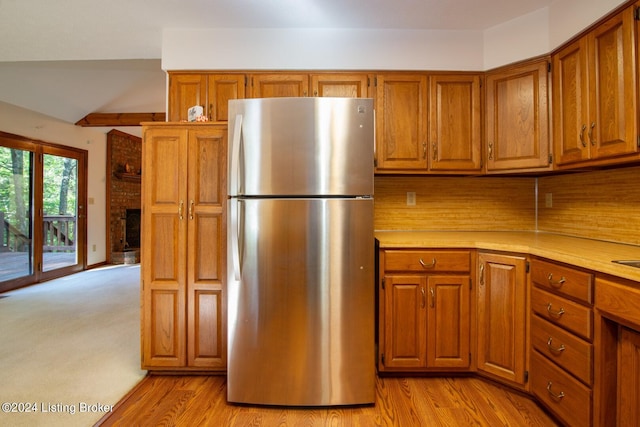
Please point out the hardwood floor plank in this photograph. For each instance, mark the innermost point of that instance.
(410, 401)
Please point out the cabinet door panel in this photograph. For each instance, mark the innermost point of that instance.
(613, 95)
(185, 91)
(571, 103)
(448, 322)
(401, 114)
(628, 377)
(163, 248)
(220, 89)
(455, 131)
(164, 327)
(340, 85)
(502, 292)
(206, 247)
(517, 118)
(405, 322)
(206, 329)
(279, 85)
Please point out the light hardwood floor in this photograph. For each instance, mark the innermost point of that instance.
(414, 401)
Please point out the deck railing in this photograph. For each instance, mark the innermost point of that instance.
(59, 233)
(11, 239)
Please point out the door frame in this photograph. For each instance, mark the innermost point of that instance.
(39, 149)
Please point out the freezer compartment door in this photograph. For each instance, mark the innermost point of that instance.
(301, 146)
(301, 315)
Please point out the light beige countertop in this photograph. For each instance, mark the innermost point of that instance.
(587, 253)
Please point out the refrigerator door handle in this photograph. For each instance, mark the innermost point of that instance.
(235, 236)
(234, 170)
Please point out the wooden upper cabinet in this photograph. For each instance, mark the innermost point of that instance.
(595, 94)
(340, 85)
(455, 132)
(279, 85)
(185, 91)
(517, 117)
(220, 89)
(401, 128)
(571, 103)
(210, 90)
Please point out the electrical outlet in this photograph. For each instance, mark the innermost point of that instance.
(548, 200)
(411, 198)
(93, 248)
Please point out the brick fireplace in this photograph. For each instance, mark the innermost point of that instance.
(124, 160)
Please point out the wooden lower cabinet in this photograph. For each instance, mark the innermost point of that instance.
(183, 259)
(425, 310)
(502, 318)
(628, 408)
(561, 340)
(617, 352)
(566, 397)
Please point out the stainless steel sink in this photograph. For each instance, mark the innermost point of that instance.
(630, 262)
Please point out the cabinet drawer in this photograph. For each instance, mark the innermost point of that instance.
(562, 394)
(565, 280)
(565, 349)
(560, 311)
(427, 261)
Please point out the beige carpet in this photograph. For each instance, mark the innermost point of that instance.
(70, 347)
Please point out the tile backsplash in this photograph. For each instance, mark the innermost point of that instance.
(603, 205)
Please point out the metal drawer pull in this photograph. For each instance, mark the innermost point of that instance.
(557, 314)
(555, 396)
(433, 263)
(557, 283)
(584, 127)
(554, 349)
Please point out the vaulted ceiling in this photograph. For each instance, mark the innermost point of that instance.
(69, 58)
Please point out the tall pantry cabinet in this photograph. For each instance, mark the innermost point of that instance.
(184, 247)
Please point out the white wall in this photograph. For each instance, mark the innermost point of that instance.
(520, 38)
(29, 124)
(530, 35)
(317, 49)
(569, 17)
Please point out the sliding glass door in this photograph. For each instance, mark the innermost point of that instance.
(42, 211)
(60, 213)
(16, 225)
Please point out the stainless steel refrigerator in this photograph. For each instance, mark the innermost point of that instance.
(301, 252)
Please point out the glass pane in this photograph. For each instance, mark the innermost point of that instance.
(16, 231)
(59, 204)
